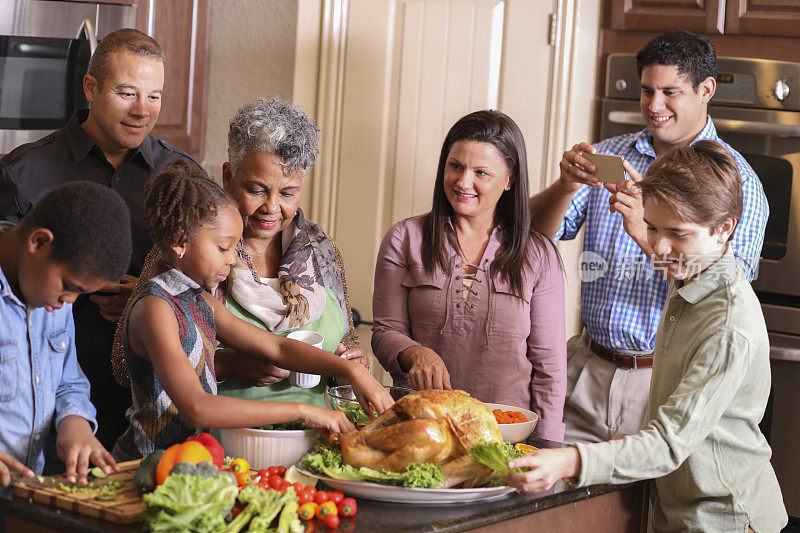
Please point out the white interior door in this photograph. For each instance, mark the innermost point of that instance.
(409, 70)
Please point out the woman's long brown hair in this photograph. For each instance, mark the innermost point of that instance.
(512, 213)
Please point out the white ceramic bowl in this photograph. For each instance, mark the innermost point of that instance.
(267, 447)
(514, 432)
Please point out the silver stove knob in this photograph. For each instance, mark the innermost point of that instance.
(781, 90)
(621, 85)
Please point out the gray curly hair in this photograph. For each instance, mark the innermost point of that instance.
(274, 126)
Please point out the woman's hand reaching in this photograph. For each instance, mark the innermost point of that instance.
(355, 355)
(425, 368)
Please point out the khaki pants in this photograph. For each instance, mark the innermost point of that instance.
(602, 400)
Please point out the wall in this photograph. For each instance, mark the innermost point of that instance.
(252, 49)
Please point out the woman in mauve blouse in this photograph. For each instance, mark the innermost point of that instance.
(468, 296)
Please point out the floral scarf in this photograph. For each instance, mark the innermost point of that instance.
(300, 296)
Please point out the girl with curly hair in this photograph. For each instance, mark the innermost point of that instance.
(172, 323)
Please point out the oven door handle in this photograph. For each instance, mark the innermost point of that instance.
(87, 28)
(722, 124)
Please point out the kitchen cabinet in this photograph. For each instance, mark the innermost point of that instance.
(182, 29)
(762, 17)
(734, 17)
(667, 15)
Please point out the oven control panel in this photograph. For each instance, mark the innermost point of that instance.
(736, 88)
(745, 82)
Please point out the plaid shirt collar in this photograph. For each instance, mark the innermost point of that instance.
(643, 142)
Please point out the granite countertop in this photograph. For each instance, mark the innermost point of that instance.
(372, 516)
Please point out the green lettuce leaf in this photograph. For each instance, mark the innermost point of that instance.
(327, 461)
(190, 503)
(495, 455)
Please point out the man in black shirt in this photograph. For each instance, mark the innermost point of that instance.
(110, 143)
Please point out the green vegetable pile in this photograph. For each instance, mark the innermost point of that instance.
(327, 461)
(495, 455)
(110, 489)
(285, 426)
(355, 413)
(190, 503)
(262, 508)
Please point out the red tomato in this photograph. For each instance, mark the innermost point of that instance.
(275, 481)
(311, 489)
(304, 497)
(320, 497)
(284, 485)
(263, 474)
(331, 521)
(298, 488)
(263, 482)
(281, 470)
(335, 497)
(273, 470)
(348, 507)
(337, 491)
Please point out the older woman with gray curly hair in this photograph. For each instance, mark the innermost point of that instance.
(289, 275)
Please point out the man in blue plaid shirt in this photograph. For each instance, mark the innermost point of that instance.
(609, 364)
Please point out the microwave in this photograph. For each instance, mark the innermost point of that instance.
(45, 46)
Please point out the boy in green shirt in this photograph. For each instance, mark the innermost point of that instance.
(711, 374)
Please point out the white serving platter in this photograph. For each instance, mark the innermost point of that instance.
(393, 494)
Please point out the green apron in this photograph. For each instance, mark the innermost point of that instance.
(331, 324)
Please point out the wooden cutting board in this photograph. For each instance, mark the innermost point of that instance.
(126, 508)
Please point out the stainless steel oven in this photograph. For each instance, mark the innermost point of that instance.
(45, 48)
(756, 109)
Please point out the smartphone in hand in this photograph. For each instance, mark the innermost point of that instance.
(609, 167)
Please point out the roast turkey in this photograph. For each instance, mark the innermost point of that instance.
(431, 426)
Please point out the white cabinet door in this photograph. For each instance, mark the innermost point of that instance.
(409, 70)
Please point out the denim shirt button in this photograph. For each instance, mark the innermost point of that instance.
(37, 379)
(37, 437)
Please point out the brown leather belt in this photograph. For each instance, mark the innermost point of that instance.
(623, 359)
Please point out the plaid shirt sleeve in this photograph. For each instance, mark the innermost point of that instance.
(575, 215)
(749, 235)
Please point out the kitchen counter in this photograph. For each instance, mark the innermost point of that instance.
(599, 508)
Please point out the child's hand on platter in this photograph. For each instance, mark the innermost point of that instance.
(546, 467)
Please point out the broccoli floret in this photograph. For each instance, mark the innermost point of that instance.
(204, 469)
(424, 475)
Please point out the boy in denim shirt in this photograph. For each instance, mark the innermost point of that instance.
(76, 239)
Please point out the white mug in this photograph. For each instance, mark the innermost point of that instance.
(300, 379)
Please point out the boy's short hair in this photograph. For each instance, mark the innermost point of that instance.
(693, 55)
(91, 225)
(701, 183)
(124, 40)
